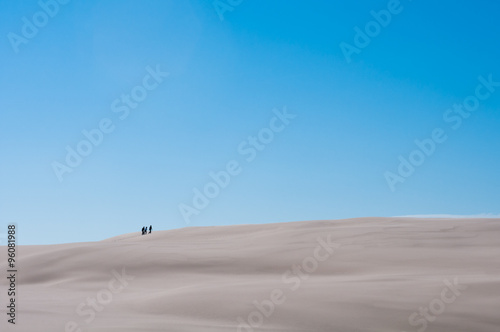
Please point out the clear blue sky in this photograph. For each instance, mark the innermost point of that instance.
(353, 118)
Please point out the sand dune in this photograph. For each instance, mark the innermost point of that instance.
(368, 274)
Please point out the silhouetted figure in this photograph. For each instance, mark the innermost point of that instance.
(150, 228)
(143, 230)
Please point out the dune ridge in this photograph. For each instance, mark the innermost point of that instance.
(364, 274)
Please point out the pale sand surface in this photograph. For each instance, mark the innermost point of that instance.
(204, 278)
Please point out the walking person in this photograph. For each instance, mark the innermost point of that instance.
(150, 228)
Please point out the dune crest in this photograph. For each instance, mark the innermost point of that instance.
(365, 274)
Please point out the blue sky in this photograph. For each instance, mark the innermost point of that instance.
(354, 119)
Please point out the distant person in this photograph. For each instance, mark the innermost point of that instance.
(143, 230)
(150, 228)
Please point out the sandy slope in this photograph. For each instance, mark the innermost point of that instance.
(373, 276)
